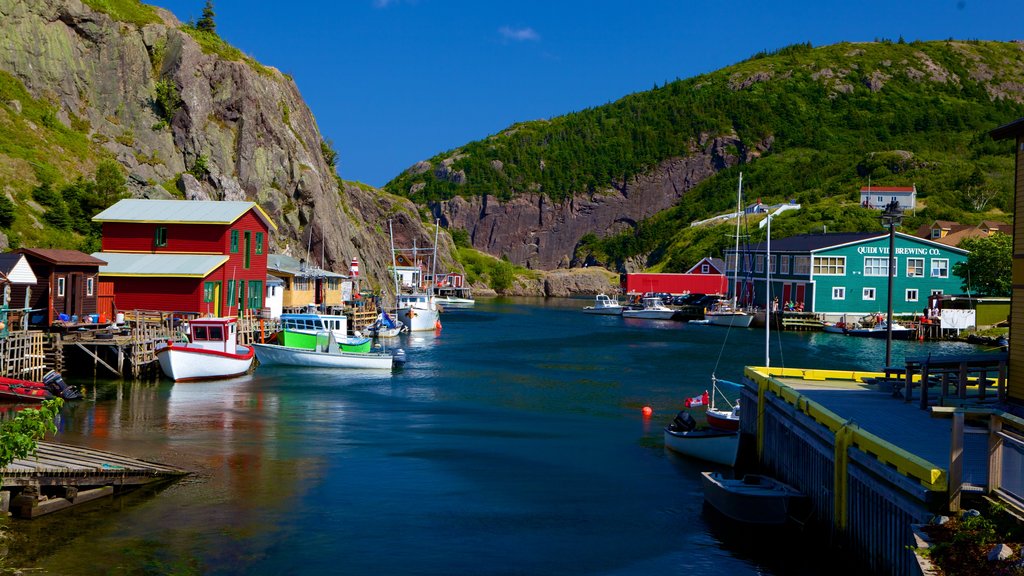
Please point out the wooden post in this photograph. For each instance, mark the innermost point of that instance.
(924, 386)
(963, 380)
(956, 460)
(995, 454)
(1001, 386)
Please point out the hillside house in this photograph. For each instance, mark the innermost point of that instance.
(847, 272)
(877, 197)
(708, 265)
(1015, 386)
(953, 233)
(208, 257)
(66, 283)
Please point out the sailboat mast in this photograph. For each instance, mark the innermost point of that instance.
(768, 294)
(394, 263)
(433, 269)
(736, 268)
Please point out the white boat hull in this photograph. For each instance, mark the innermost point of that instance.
(649, 314)
(419, 319)
(183, 362)
(736, 319)
(452, 302)
(272, 354)
(711, 445)
(753, 500)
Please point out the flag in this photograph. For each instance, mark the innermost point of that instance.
(696, 401)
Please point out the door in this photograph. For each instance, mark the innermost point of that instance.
(800, 288)
(73, 295)
(787, 292)
(248, 249)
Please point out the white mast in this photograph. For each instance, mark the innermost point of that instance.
(433, 270)
(736, 267)
(394, 263)
(768, 293)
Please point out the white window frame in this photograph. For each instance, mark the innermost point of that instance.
(61, 283)
(704, 268)
(773, 263)
(90, 284)
(876, 266)
(829, 265)
(801, 265)
(784, 264)
(839, 293)
(919, 268)
(936, 292)
(868, 293)
(945, 268)
(759, 263)
(912, 295)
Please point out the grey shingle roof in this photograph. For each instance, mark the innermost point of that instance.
(180, 211)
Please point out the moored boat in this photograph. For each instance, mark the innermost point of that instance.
(899, 332)
(419, 312)
(605, 305)
(14, 390)
(384, 326)
(753, 499)
(725, 315)
(307, 340)
(718, 446)
(211, 352)
(653, 309)
(312, 323)
(326, 354)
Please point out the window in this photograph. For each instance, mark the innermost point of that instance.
(255, 294)
(868, 294)
(60, 286)
(89, 285)
(704, 268)
(940, 268)
(784, 264)
(936, 233)
(936, 292)
(259, 242)
(759, 264)
(773, 264)
(801, 265)
(830, 265)
(208, 290)
(160, 236)
(730, 260)
(248, 249)
(915, 267)
(234, 241)
(199, 333)
(231, 292)
(216, 333)
(838, 293)
(911, 294)
(875, 266)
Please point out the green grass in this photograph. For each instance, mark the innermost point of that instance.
(130, 11)
(211, 43)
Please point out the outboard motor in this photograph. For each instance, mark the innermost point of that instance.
(684, 422)
(399, 356)
(55, 385)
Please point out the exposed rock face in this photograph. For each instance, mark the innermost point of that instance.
(537, 233)
(247, 123)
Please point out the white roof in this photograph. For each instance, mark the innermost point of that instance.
(17, 269)
(159, 265)
(180, 211)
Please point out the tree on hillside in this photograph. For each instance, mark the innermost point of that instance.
(987, 268)
(206, 23)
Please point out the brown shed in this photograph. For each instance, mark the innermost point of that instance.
(1015, 387)
(67, 283)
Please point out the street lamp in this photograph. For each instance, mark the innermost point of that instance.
(892, 217)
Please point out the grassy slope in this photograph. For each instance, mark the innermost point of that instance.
(830, 133)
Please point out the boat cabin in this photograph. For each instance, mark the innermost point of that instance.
(314, 323)
(216, 334)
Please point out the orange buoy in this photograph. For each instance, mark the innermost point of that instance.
(647, 411)
(437, 325)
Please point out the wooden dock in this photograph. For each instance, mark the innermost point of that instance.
(61, 476)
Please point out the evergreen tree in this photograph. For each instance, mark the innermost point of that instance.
(206, 23)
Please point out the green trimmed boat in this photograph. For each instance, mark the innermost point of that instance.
(307, 341)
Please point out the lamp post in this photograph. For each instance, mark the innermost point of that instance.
(892, 217)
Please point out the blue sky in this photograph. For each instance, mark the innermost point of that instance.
(392, 82)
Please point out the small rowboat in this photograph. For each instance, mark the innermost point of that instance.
(15, 390)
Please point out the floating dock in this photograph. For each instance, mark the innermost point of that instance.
(60, 476)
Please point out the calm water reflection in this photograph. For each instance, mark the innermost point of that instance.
(512, 443)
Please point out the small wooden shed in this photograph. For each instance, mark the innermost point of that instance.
(66, 282)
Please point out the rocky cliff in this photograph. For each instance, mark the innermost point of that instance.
(226, 127)
(536, 232)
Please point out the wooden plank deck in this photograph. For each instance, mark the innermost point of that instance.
(892, 420)
(65, 465)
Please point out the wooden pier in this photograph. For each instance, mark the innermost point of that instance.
(61, 476)
(871, 464)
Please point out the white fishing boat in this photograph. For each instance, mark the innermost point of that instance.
(753, 499)
(719, 418)
(326, 354)
(300, 330)
(605, 305)
(212, 351)
(718, 446)
(451, 301)
(653, 309)
(419, 311)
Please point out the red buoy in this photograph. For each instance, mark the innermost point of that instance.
(647, 411)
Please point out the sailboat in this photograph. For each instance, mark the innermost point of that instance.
(417, 309)
(727, 313)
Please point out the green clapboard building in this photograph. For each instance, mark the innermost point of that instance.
(846, 272)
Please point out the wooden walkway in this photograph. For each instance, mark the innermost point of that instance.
(892, 420)
(61, 476)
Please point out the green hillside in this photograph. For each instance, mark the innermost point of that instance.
(816, 124)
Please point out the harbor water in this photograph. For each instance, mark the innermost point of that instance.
(511, 443)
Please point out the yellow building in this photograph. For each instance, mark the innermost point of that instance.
(305, 284)
(1015, 386)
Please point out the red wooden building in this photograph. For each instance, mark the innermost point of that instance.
(695, 283)
(208, 257)
(65, 284)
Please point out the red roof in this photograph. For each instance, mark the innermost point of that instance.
(888, 189)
